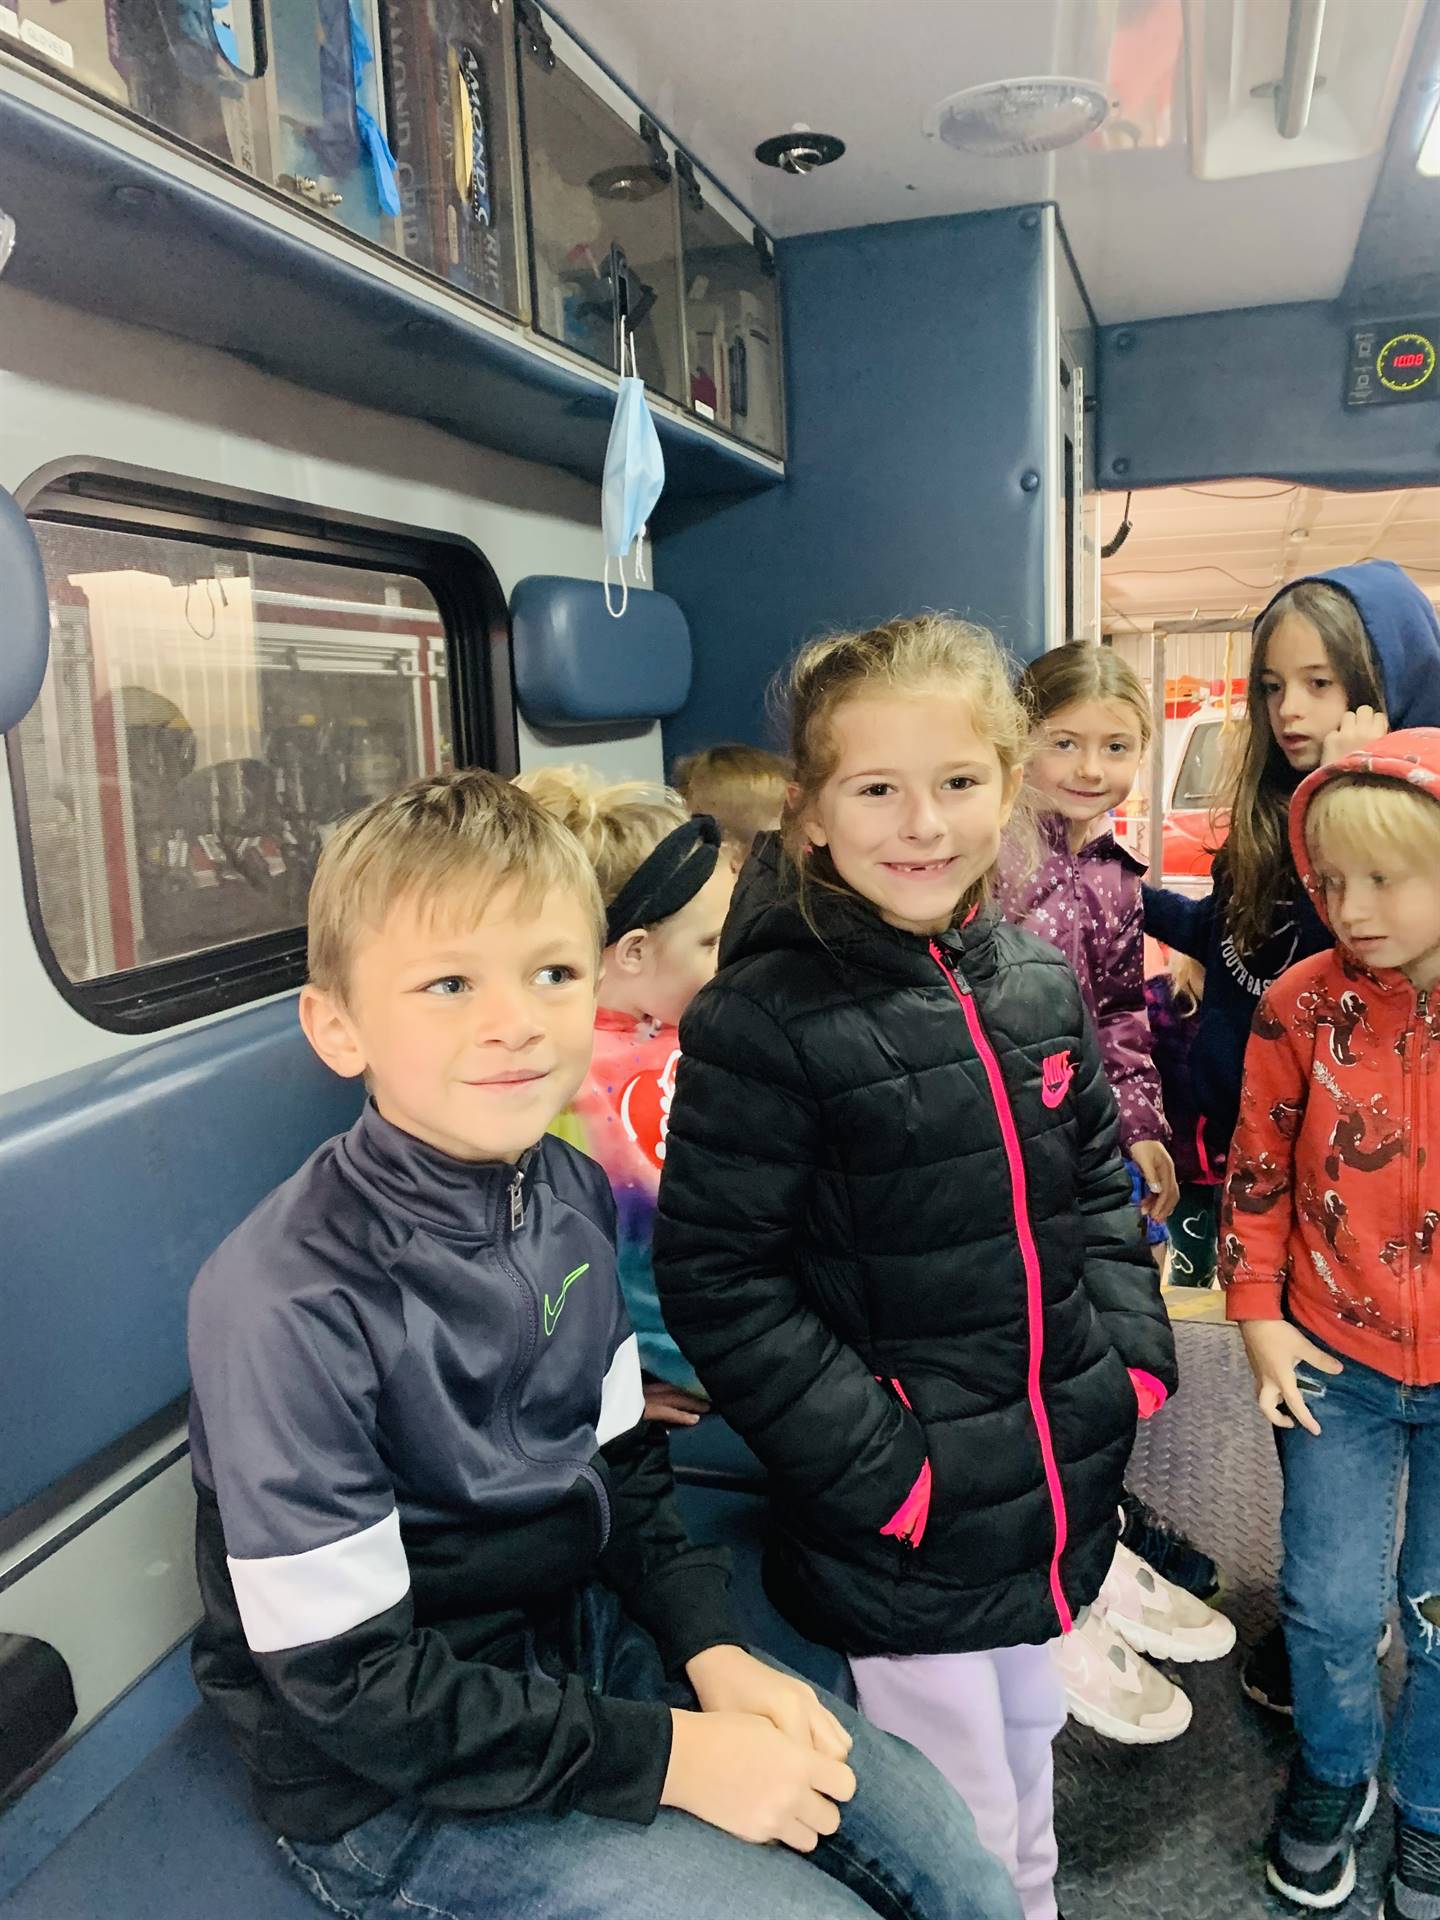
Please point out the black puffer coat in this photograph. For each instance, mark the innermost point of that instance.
(894, 1225)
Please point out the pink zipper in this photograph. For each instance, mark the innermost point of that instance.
(1207, 1174)
(1030, 1255)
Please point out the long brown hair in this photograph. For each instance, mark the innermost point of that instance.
(903, 656)
(1255, 859)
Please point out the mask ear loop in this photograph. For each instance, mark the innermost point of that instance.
(618, 613)
(640, 538)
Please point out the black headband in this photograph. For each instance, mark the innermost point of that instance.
(665, 880)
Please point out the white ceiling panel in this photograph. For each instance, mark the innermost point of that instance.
(1151, 239)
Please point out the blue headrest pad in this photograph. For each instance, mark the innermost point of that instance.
(25, 616)
(575, 666)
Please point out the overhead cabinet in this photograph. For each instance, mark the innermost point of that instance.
(474, 140)
(450, 93)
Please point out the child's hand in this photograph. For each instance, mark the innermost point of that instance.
(1274, 1348)
(729, 1680)
(1358, 729)
(673, 1405)
(736, 1772)
(1157, 1170)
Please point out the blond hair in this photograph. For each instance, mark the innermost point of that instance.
(446, 844)
(1374, 817)
(619, 823)
(913, 655)
(1080, 671)
(742, 787)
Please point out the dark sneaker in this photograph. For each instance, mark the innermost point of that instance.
(1310, 1855)
(1167, 1550)
(1415, 1882)
(1265, 1673)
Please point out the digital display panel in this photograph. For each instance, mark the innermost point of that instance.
(1393, 361)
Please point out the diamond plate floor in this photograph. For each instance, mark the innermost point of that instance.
(1175, 1832)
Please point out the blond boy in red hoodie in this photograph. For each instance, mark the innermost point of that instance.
(1332, 1207)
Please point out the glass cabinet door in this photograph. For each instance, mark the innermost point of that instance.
(595, 185)
(189, 67)
(450, 88)
(732, 315)
(330, 150)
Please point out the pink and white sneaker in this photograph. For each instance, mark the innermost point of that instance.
(1110, 1689)
(1159, 1618)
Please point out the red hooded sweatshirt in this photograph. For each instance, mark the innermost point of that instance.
(1332, 1203)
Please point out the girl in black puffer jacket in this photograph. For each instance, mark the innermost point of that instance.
(895, 1235)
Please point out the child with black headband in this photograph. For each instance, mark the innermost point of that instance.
(666, 892)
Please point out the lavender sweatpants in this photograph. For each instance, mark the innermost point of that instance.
(987, 1721)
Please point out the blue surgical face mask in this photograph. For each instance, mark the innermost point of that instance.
(633, 480)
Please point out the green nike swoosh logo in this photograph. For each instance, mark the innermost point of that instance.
(552, 1314)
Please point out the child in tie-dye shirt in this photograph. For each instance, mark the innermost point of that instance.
(666, 886)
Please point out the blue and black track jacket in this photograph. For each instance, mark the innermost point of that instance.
(416, 1431)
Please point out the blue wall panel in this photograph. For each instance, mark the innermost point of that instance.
(916, 418)
(1260, 390)
(116, 1182)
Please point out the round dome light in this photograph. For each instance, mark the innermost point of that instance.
(1009, 117)
(636, 182)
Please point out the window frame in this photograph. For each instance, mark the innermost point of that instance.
(110, 496)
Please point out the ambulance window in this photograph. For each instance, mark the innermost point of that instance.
(210, 715)
(1199, 775)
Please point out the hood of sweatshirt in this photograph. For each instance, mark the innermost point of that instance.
(1404, 632)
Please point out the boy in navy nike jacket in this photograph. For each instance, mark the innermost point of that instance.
(452, 1619)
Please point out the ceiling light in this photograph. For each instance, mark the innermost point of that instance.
(1009, 117)
(638, 182)
(1427, 161)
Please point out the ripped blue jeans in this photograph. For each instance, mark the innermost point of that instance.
(1343, 1494)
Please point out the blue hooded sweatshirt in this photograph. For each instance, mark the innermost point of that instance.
(1404, 634)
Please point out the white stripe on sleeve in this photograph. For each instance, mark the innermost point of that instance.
(294, 1598)
(622, 1397)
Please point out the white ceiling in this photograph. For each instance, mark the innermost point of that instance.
(1224, 549)
(1150, 238)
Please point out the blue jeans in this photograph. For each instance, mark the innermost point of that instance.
(906, 1848)
(1342, 1502)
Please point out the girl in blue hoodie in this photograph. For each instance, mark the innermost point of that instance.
(1361, 636)
(1356, 636)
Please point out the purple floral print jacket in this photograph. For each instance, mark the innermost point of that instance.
(1088, 905)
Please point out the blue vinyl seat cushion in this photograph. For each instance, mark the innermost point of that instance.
(24, 615)
(178, 1839)
(577, 667)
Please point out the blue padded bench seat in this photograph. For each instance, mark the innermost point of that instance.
(178, 1840)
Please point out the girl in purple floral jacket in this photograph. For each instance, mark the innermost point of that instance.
(1092, 726)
